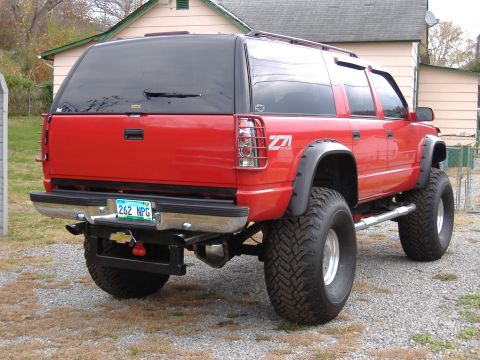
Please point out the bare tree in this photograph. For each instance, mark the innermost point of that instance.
(112, 11)
(38, 16)
(448, 47)
(76, 13)
(29, 16)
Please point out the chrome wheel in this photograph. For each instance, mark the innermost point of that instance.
(331, 256)
(440, 215)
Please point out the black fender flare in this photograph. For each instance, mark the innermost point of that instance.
(430, 143)
(311, 157)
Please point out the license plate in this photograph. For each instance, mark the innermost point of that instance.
(134, 210)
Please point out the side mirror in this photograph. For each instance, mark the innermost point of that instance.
(424, 114)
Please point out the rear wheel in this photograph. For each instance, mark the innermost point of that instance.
(425, 234)
(122, 283)
(310, 260)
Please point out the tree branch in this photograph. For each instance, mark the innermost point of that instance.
(38, 18)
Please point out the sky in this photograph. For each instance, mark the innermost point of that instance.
(465, 13)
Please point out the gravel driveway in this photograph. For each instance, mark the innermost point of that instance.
(399, 309)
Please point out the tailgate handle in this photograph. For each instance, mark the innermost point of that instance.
(133, 134)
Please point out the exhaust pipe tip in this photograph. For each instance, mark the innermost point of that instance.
(76, 229)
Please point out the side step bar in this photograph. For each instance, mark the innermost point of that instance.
(374, 220)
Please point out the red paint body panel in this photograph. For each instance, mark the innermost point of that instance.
(267, 192)
(181, 147)
(370, 151)
(402, 154)
(177, 149)
(265, 204)
(283, 163)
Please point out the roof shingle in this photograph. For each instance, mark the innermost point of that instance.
(335, 20)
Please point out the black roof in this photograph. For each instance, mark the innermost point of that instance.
(335, 20)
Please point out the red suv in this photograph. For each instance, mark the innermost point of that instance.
(199, 142)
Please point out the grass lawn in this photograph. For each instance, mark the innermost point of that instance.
(25, 226)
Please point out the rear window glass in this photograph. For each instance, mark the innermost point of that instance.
(165, 75)
(359, 96)
(289, 79)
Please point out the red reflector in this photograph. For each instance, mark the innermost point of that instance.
(139, 250)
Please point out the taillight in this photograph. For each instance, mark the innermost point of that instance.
(251, 142)
(44, 139)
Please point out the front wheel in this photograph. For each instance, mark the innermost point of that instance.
(310, 260)
(425, 234)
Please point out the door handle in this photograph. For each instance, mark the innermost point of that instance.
(133, 134)
(390, 134)
(356, 134)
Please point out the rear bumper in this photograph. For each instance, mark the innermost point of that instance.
(169, 213)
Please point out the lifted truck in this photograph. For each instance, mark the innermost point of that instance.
(199, 142)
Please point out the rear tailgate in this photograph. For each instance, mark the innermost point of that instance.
(153, 110)
(170, 149)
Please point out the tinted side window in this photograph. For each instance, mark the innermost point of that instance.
(359, 96)
(393, 105)
(289, 79)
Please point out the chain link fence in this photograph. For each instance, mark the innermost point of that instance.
(463, 166)
(29, 101)
(27, 98)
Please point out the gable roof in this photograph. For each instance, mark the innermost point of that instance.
(107, 35)
(335, 20)
(316, 20)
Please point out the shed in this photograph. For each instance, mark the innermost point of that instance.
(453, 94)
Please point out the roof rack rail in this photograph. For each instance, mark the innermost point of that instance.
(293, 40)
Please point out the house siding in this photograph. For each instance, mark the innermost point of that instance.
(398, 58)
(453, 97)
(199, 18)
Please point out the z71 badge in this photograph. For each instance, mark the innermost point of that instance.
(280, 142)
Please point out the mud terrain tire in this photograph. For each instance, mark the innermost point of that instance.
(425, 234)
(303, 285)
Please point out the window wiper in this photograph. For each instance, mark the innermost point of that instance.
(153, 94)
